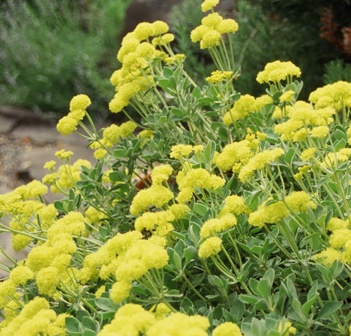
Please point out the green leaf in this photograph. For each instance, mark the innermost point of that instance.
(306, 307)
(72, 324)
(89, 323)
(181, 113)
(329, 308)
(103, 304)
(59, 206)
(214, 280)
(106, 316)
(264, 288)
(297, 307)
(247, 298)
(200, 209)
(80, 314)
(187, 306)
(197, 93)
(210, 150)
(119, 153)
(88, 332)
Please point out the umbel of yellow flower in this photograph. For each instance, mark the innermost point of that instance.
(209, 33)
(240, 110)
(210, 247)
(336, 95)
(208, 5)
(277, 71)
(69, 123)
(259, 161)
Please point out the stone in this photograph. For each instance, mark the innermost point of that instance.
(6, 124)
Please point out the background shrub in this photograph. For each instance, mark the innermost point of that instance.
(52, 50)
(308, 34)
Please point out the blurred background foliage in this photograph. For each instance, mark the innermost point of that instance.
(315, 35)
(52, 50)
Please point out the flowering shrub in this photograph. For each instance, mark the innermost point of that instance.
(215, 213)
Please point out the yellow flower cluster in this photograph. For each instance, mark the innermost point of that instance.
(158, 223)
(133, 319)
(183, 151)
(103, 262)
(8, 288)
(287, 96)
(135, 263)
(189, 180)
(130, 319)
(269, 214)
(339, 243)
(240, 110)
(277, 71)
(219, 76)
(236, 154)
(210, 247)
(94, 216)
(208, 5)
(157, 195)
(35, 318)
(336, 95)
(28, 214)
(136, 54)
(303, 121)
(69, 123)
(296, 202)
(50, 261)
(332, 160)
(216, 225)
(258, 162)
(286, 328)
(212, 27)
(66, 175)
(111, 135)
(226, 220)
(234, 204)
(127, 257)
(227, 329)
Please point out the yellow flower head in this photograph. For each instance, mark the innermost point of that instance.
(175, 324)
(308, 153)
(287, 96)
(259, 161)
(212, 20)
(210, 39)
(269, 214)
(156, 195)
(67, 125)
(328, 256)
(161, 173)
(240, 109)
(50, 165)
(79, 102)
(219, 76)
(278, 71)
(160, 27)
(210, 247)
(299, 201)
(336, 95)
(144, 30)
(180, 151)
(227, 329)
(120, 291)
(208, 5)
(227, 26)
(63, 154)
